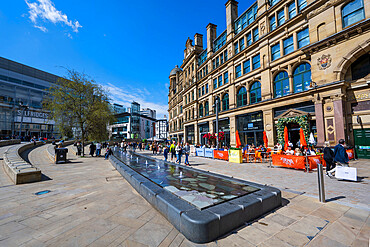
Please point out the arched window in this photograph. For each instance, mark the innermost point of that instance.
(225, 102)
(241, 97)
(218, 104)
(302, 77)
(206, 108)
(200, 110)
(352, 12)
(361, 67)
(255, 93)
(281, 84)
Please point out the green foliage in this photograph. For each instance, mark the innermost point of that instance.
(301, 120)
(80, 105)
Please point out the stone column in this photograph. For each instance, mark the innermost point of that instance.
(339, 118)
(248, 95)
(291, 86)
(320, 125)
(232, 131)
(268, 122)
(196, 134)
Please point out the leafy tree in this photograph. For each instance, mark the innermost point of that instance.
(80, 104)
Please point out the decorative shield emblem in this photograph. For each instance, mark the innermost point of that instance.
(324, 62)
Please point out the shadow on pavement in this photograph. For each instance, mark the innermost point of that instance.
(335, 198)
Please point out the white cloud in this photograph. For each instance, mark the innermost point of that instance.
(125, 96)
(45, 10)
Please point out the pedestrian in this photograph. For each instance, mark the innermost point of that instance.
(92, 149)
(122, 146)
(178, 150)
(108, 152)
(340, 154)
(187, 153)
(165, 153)
(172, 150)
(134, 146)
(154, 148)
(98, 149)
(329, 159)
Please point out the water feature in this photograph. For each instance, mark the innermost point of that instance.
(195, 187)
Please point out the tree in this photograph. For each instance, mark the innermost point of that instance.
(76, 102)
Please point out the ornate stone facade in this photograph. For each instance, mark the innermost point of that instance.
(301, 55)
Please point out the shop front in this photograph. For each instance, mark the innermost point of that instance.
(250, 128)
(190, 137)
(223, 126)
(203, 129)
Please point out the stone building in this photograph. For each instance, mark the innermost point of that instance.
(301, 64)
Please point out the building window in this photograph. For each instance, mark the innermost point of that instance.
(215, 83)
(226, 77)
(302, 77)
(192, 95)
(180, 111)
(219, 42)
(221, 58)
(241, 97)
(303, 38)
(247, 66)
(217, 62)
(255, 34)
(249, 39)
(275, 52)
(288, 45)
(301, 5)
(236, 46)
(238, 71)
(245, 19)
(186, 100)
(281, 17)
(272, 23)
(207, 88)
(206, 108)
(256, 62)
(292, 10)
(281, 84)
(206, 69)
(203, 90)
(273, 2)
(213, 63)
(225, 55)
(225, 102)
(200, 110)
(255, 93)
(352, 12)
(199, 92)
(220, 80)
(241, 44)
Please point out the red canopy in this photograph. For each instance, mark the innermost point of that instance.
(286, 137)
(265, 140)
(238, 143)
(302, 139)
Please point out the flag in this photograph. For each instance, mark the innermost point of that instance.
(265, 140)
(238, 143)
(286, 136)
(302, 139)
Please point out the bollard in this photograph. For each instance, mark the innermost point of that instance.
(320, 179)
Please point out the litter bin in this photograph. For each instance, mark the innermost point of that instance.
(61, 155)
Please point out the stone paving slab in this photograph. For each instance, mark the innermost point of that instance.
(90, 204)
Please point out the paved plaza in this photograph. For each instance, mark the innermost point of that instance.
(90, 204)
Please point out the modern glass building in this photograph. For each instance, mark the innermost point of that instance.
(22, 89)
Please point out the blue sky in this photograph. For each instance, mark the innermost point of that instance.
(128, 46)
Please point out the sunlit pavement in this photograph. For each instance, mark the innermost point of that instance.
(90, 204)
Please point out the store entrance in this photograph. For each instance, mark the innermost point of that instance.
(293, 133)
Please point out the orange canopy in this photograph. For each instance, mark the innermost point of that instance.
(302, 139)
(265, 140)
(286, 137)
(238, 143)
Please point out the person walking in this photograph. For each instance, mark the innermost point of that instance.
(92, 149)
(187, 153)
(98, 149)
(178, 151)
(108, 152)
(340, 154)
(329, 159)
(79, 148)
(165, 152)
(172, 150)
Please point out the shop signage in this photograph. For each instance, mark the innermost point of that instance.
(200, 152)
(34, 114)
(360, 96)
(208, 152)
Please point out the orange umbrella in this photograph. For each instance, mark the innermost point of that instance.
(238, 143)
(302, 139)
(286, 138)
(265, 140)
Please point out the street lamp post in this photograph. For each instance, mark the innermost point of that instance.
(216, 107)
(23, 107)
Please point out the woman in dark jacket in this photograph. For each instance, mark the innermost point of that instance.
(329, 158)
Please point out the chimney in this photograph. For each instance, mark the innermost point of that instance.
(198, 40)
(231, 15)
(211, 36)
